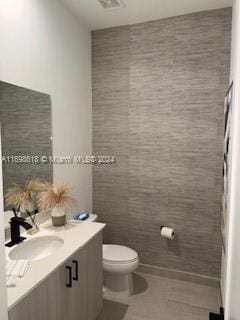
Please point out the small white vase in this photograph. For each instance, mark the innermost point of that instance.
(58, 216)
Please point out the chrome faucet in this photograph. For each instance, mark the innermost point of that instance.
(15, 224)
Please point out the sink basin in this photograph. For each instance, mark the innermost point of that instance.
(36, 249)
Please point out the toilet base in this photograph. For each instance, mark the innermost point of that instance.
(120, 285)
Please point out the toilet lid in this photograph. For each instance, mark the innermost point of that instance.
(116, 253)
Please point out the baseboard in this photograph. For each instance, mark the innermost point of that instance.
(179, 275)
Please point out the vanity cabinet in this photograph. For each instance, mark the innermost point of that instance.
(72, 292)
(73, 287)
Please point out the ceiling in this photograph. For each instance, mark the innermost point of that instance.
(95, 17)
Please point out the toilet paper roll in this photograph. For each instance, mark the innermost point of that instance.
(167, 233)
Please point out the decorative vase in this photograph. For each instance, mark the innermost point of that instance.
(58, 216)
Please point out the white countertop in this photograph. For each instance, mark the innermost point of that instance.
(75, 235)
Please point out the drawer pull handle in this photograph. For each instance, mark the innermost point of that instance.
(69, 270)
(75, 262)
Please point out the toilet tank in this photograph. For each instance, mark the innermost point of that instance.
(92, 218)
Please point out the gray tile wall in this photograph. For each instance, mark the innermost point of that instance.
(26, 122)
(158, 91)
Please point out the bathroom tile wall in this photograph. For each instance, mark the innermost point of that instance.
(26, 122)
(158, 92)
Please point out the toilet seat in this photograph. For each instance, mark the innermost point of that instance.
(119, 263)
(116, 254)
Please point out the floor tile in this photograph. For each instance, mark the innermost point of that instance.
(162, 298)
(194, 294)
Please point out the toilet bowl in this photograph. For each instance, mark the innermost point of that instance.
(118, 264)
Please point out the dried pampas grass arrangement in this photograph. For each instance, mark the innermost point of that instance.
(35, 186)
(16, 196)
(56, 195)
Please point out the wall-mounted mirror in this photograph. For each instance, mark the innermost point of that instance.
(26, 128)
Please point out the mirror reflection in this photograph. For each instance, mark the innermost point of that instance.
(26, 124)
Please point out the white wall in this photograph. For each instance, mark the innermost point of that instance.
(43, 47)
(231, 270)
(3, 294)
(226, 252)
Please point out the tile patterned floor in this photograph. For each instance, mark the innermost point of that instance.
(158, 298)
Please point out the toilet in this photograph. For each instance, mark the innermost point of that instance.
(119, 262)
